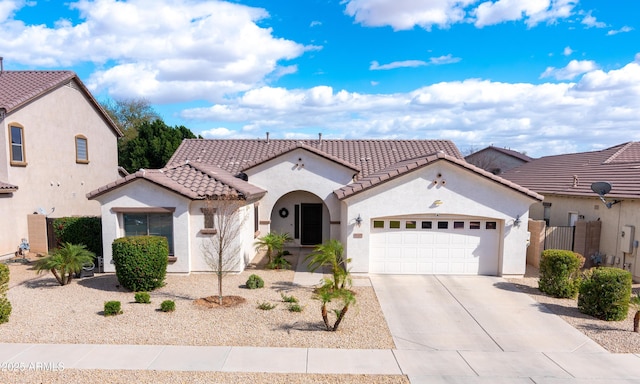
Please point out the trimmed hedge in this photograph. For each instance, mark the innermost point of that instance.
(605, 293)
(255, 281)
(5, 305)
(141, 261)
(560, 273)
(85, 230)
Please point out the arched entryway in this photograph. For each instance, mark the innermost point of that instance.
(303, 215)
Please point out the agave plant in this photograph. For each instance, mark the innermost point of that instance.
(65, 261)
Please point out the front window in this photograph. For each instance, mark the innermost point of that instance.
(82, 150)
(150, 224)
(16, 133)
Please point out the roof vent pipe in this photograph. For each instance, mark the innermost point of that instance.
(1, 65)
(320, 136)
(267, 137)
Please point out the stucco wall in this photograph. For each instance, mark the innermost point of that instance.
(142, 193)
(299, 170)
(613, 219)
(52, 177)
(464, 194)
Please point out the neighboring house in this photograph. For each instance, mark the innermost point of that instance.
(57, 145)
(398, 206)
(565, 181)
(497, 160)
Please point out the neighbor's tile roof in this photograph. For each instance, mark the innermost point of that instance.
(7, 188)
(365, 156)
(190, 179)
(409, 165)
(572, 174)
(509, 152)
(18, 88)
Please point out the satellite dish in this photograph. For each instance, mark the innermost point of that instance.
(601, 187)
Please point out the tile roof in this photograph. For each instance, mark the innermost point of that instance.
(192, 180)
(409, 165)
(365, 156)
(7, 188)
(18, 88)
(572, 174)
(508, 152)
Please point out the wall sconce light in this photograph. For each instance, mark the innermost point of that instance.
(358, 220)
(438, 203)
(517, 221)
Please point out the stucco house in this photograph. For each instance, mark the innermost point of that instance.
(565, 181)
(497, 160)
(57, 145)
(398, 206)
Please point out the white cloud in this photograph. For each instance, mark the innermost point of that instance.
(405, 14)
(315, 23)
(192, 49)
(375, 66)
(567, 51)
(621, 30)
(591, 22)
(218, 133)
(574, 69)
(441, 60)
(531, 11)
(541, 119)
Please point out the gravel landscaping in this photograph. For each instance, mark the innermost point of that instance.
(615, 336)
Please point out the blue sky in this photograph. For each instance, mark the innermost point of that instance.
(539, 76)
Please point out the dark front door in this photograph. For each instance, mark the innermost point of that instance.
(311, 217)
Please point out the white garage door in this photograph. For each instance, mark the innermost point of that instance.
(465, 247)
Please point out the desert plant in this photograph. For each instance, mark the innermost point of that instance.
(560, 273)
(288, 299)
(112, 308)
(279, 261)
(168, 306)
(5, 305)
(5, 309)
(254, 282)
(4, 279)
(141, 261)
(605, 293)
(295, 307)
(65, 261)
(334, 289)
(266, 306)
(143, 297)
(635, 303)
(274, 243)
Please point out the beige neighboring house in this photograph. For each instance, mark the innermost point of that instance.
(565, 182)
(57, 145)
(497, 160)
(398, 206)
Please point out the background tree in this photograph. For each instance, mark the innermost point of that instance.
(129, 114)
(153, 146)
(222, 250)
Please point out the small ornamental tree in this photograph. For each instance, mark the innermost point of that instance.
(336, 289)
(274, 244)
(222, 250)
(141, 261)
(65, 261)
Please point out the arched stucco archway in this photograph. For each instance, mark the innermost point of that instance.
(303, 215)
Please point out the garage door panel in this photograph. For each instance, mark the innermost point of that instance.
(434, 251)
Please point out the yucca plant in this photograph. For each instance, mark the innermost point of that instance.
(65, 261)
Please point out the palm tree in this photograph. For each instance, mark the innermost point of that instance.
(331, 254)
(274, 242)
(65, 261)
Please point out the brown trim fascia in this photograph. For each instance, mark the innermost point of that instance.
(143, 209)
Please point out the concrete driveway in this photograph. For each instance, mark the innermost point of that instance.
(471, 313)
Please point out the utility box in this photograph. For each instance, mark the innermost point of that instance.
(626, 238)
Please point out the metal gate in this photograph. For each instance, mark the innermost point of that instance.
(559, 237)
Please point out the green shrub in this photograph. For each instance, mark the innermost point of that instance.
(143, 297)
(4, 279)
(560, 273)
(168, 306)
(288, 299)
(112, 308)
(605, 293)
(85, 230)
(141, 261)
(5, 309)
(255, 281)
(279, 262)
(266, 306)
(295, 307)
